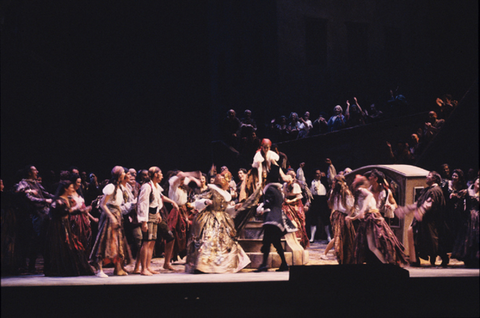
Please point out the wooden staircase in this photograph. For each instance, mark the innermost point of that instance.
(251, 237)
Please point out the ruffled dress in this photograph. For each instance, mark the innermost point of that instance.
(296, 213)
(213, 245)
(343, 231)
(467, 242)
(64, 253)
(81, 223)
(111, 242)
(384, 238)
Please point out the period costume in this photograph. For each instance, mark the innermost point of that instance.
(266, 165)
(431, 233)
(467, 242)
(179, 220)
(32, 220)
(65, 254)
(318, 207)
(454, 208)
(384, 238)
(80, 223)
(111, 242)
(213, 246)
(275, 224)
(343, 230)
(385, 208)
(295, 212)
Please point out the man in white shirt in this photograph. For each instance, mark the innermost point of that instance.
(319, 207)
(301, 173)
(150, 202)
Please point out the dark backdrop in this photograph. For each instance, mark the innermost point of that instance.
(101, 83)
(98, 84)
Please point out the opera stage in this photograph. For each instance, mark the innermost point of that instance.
(321, 289)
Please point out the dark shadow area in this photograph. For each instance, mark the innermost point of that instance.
(327, 291)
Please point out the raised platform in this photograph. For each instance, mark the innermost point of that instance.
(251, 241)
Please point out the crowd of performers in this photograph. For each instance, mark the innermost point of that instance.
(201, 217)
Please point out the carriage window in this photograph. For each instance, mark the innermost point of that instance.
(416, 192)
(395, 222)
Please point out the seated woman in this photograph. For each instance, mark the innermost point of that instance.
(213, 246)
(64, 253)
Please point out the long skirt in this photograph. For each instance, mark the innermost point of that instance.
(81, 228)
(344, 236)
(384, 239)
(177, 223)
(64, 253)
(213, 247)
(467, 243)
(296, 214)
(111, 242)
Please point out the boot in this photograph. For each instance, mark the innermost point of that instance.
(283, 268)
(263, 267)
(445, 261)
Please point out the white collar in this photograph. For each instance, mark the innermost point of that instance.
(224, 193)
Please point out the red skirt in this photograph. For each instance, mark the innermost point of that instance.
(296, 214)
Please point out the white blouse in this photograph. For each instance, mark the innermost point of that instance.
(116, 199)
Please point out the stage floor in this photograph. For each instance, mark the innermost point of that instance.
(320, 288)
(454, 269)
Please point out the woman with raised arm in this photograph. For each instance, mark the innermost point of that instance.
(386, 203)
(341, 202)
(373, 233)
(213, 245)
